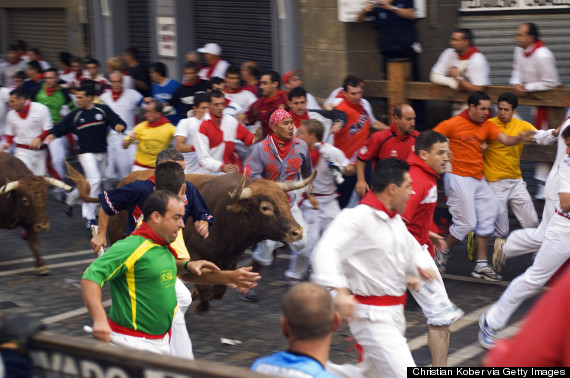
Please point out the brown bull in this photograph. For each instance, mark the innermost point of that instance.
(246, 213)
(23, 202)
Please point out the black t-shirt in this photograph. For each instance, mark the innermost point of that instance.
(183, 99)
(140, 72)
(395, 33)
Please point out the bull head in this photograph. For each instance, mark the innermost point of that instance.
(241, 193)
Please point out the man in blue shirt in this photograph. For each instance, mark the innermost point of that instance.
(394, 21)
(308, 321)
(162, 87)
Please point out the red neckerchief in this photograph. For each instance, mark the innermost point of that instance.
(395, 130)
(358, 107)
(23, 113)
(146, 232)
(38, 78)
(282, 147)
(470, 51)
(465, 114)
(315, 156)
(228, 102)
(79, 74)
(371, 200)
(193, 85)
(238, 90)
(50, 91)
(211, 69)
(116, 95)
(66, 71)
(538, 44)
(160, 122)
(15, 61)
(297, 119)
(125, 73)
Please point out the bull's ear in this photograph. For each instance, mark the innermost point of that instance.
(237, 207)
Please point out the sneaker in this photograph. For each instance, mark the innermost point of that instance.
(487, 273)
(441, 260)
(89, 223)
(251, 296)
(499, 257)
(487, 335)
(68, 209)
(471, 246)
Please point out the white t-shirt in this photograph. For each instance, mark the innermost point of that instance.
(475, 69)
(25, 130)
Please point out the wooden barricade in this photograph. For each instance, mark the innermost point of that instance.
(55, 355)
(398, 89)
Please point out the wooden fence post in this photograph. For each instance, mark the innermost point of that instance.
(399, 72)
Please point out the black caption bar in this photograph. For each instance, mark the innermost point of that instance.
(488, 372)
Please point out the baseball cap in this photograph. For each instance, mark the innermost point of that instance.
(211, 48)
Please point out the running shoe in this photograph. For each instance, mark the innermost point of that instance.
(441, 260)
(487, 335)
(499, 257)
(471, 246)
(487, 273)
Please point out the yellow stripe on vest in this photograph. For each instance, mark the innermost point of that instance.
(130, 265)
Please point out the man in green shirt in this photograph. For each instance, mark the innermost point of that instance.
(59, 103)
(141, 270)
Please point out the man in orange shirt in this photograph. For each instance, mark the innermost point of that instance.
(472, 203)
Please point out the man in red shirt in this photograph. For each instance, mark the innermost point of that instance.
(397, 141)
(427, 163)
(272, 98)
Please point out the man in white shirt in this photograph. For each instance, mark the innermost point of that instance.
(365, 256)
(461, 67)
(534, 69)
(218, 132)
(187, 131)
(126, 103)
(216, 65)
(28, 123)
(235, 92)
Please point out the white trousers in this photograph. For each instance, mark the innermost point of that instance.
(93, 165)
(472, 204)
(35, 160)
(513, 192)
(57, 149)
(380, 330)
(160, 346)
(119, 160)
(180, 343)
(263, 252)
(554, 252)
(433, 299)
(317, 221)
(529, 240)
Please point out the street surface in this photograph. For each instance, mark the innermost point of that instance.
(56, 300)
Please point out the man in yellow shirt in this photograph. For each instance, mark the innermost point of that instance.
(153, 136)
(502, 171)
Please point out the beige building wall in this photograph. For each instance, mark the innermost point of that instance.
(330, 49)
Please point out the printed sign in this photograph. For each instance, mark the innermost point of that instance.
(166, 36)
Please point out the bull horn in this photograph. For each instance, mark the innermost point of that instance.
(58, 184)
(9, 187)
(293, 185)
(240, 192)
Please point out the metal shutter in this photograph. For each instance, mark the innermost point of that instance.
(43, 28)
(139, 26)
(495, 37)
(242, 28)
